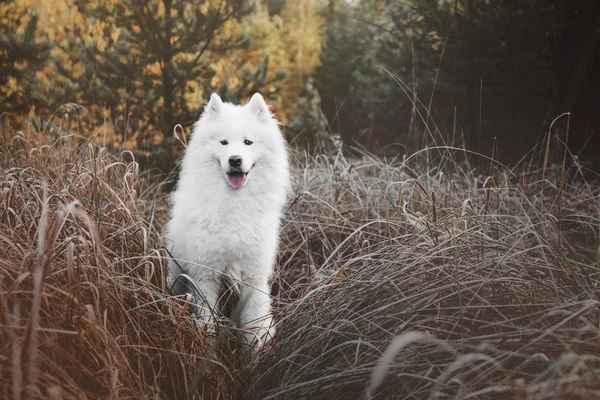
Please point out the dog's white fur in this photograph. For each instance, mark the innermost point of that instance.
(216, 230)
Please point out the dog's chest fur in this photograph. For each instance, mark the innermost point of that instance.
(235, 236)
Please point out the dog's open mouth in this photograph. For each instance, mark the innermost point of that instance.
(236, 179)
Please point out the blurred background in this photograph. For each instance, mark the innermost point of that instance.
(388, 77)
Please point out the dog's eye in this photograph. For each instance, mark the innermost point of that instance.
(224, 142)
(248, 142)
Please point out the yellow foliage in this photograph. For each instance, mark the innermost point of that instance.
(153, 69)
(56, 17)
(194, 97)
(292, 41)
(12, 86)
(204, 8)
(157, 138)
(115, 34)
(303, 35)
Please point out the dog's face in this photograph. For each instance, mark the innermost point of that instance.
(242, 140)
(237, 156)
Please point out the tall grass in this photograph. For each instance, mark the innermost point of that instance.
(83, 311)
(420, 279)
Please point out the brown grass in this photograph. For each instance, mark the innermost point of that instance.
(83, 312)
(414, 280)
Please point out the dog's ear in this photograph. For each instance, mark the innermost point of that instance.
(258, 107)
(214, 105)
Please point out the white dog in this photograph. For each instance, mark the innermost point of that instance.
(226, 211)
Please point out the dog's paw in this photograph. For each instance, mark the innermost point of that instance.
(259, 335)
(267, 331)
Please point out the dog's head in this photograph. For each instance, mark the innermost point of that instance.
(244, 140)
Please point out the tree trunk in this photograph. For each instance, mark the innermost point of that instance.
(167, 74)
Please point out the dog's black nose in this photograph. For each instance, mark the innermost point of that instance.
(235, 161)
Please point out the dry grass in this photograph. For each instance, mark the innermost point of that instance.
(395, 280)
(83, 312)
(445, 285)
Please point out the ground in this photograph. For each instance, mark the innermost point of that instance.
(425, 278)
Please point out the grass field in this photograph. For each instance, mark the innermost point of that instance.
(411, 279)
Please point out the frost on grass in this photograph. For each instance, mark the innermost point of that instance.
(424, 279)
(83, 312)
(430, 280)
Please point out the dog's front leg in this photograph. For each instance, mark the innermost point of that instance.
(208, 289)
(255, 315)
(202, 294)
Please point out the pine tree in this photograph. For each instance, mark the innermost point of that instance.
(21, 56)
(149, 53)
(308, 127)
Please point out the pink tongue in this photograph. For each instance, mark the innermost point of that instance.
(236, 181)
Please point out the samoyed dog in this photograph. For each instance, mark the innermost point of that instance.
(226, 212)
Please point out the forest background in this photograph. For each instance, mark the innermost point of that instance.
(388, 76)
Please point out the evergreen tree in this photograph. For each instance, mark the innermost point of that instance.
(21, 56)
(149, 54)
(308, 127)
(342, 52)
(390, 69)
